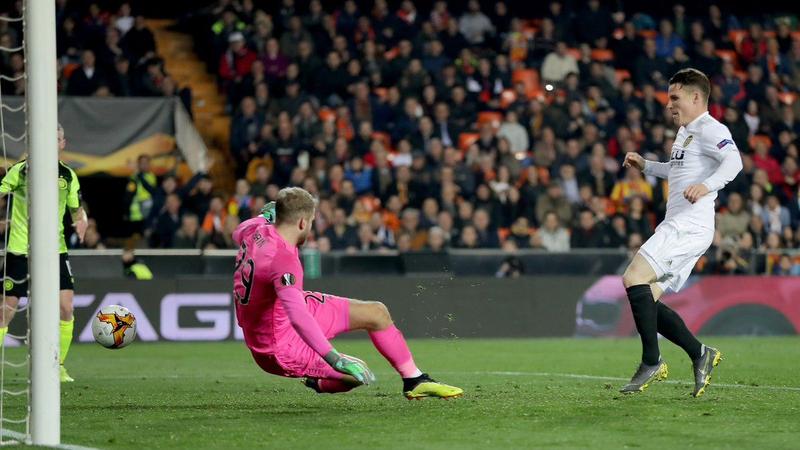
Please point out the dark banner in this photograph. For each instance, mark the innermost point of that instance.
(105, 135)
(201, 309)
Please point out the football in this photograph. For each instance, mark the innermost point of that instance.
(114, 327)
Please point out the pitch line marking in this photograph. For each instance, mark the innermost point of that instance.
(23, 439)
(604, 378)
(499, 373)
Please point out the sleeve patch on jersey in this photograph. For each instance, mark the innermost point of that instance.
(723, 143)
(287, 279)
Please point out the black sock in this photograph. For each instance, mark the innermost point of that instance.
(645, 314)
(671, 326)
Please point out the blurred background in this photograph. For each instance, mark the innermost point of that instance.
(463, 154)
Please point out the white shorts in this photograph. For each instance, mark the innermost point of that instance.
(674, 250)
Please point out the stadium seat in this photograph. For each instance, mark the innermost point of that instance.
(755, 139)
(530, 78)
(728, 55)
(327, 115)
(787, 97)
(648, 34)
(491, 117)
(736, 37)
(69, 68)
(662, 97)
(383, 138)
(602, 55)
(507, 97)
(576, 53)
(621, 75)
(467, 139)
(380, 92)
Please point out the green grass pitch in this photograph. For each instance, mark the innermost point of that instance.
(545, 393)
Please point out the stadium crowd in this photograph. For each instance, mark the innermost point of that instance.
(102, 52)
(428, 128)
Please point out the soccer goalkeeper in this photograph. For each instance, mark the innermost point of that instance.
(287, 329)
(15, 283)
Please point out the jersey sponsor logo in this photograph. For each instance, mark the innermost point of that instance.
(676, 159)
(688, 141)
(62, 183)
(723, 143)
(287, 279)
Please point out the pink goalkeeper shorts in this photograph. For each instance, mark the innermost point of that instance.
(294, 357)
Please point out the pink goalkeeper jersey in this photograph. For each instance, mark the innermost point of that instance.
(268, 291)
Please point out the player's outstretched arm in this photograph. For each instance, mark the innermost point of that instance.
(293, 303)
(655, 168)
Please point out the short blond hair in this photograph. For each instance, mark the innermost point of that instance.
(293, 204)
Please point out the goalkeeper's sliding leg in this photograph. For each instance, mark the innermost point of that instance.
(373, 317)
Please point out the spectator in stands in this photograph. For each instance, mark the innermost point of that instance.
(515, 133)
(786, 266)
(553, 201)
(733, 220)
(87, 78)
(667, 40)
(245, 132)
(775, 216)
(487, 234)
(189, 235)
(199, 197)
(410, 226)
(139, 41)
(474, 24)
(124, 20)
(650, 68)
(341, 235)
(638, 219)
(437, 240)
(617, 233)
(593, 24)
(119, 80)
(367, 241)
(632, 185)
(236, 62)
(558, 64)
(554, 237)
(587, 234)
(167, 223)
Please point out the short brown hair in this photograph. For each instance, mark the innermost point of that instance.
(293, 204)
(694, 78)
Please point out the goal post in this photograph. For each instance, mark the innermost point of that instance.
(42, 104)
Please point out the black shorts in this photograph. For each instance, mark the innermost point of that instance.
(15, 283)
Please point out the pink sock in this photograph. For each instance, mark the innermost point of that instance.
(392, 345)
(332, 386)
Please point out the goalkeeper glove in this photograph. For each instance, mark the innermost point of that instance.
(268, 212)
(350, 365)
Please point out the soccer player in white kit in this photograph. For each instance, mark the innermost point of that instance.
(704, 159)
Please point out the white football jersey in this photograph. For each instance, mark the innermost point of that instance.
(697, 153)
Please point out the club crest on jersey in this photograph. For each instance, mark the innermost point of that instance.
(723, 143)
(688, 141)
(287, 279)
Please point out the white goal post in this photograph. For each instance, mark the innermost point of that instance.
(42, 103)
